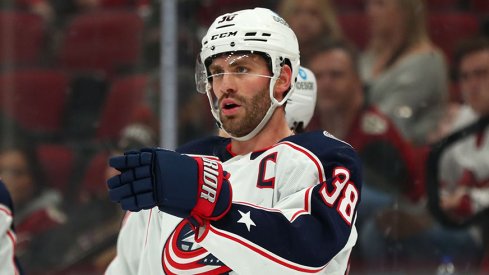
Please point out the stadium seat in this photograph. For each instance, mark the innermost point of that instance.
(35, 99)
(93, 181)
(57, 163)
(448, 29)
(124, 97)
(480, 7)
(349, 23)
(349, 5)
(442, 5)
(105, 41)
(22, 35)
(209, 10)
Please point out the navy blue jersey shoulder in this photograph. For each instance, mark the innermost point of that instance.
(330, 151)
(5, 198)
(211, 146)
(321, 143)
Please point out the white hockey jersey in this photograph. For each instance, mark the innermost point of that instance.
(293, 211)
(470, 154)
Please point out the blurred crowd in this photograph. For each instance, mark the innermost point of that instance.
(79, 81)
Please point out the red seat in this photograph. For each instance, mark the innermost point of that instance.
(354, 26)
(349, 5)
(209, 10)
(126, 94)
(448, 29)
(480, 7)
(34, 98)
(93, 181)
(57, 163)
(442, 5)
(22, 35)
(104, 41)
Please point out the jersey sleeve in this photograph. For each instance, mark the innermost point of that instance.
(129, 245)
(310, 228)
(8, 261)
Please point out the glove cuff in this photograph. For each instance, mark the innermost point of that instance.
(214, 193)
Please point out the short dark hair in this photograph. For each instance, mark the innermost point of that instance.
(467, 47)
(340, 44)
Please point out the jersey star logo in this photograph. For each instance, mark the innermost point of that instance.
(246, 219)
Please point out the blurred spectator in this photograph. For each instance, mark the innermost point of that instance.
(313, 21)
(464, 167)
(134, 137)
(393, 220)
(342, 111)
(43, 8)
(36, 205)
(408, 231)
(8, 260)
(86, 243)
(405, 73)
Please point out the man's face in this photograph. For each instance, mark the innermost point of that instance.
(16, 175)
(474, 80)
(336, 79)
(240, 84)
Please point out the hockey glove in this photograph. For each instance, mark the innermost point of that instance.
(178, 184)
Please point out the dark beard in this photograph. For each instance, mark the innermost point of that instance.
(255, 110)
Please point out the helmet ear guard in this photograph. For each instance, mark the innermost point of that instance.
(259, 31)
(301, 104)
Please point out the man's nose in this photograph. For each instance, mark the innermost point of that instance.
(228, 83)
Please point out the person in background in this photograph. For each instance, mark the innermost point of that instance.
(342, 110)
(86, 243)
(8, 260)
(43, 8)
(313, 21)
(37, 206)
(387, 158)
(464, 167)
(405, 74)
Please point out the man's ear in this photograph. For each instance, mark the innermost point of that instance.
(283, 82)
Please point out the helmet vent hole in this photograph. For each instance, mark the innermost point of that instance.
(266, 34)
(250, 34)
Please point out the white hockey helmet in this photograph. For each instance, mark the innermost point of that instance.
(300, 106)
(256, 30)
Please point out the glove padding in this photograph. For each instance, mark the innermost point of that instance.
(178, 184)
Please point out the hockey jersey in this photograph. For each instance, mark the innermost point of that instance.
(293, 211)
(466, 163)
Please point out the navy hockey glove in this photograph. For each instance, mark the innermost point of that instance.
(176, 183)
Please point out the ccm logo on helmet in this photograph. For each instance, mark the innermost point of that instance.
(224, 34)
(211, 180)
(280, 20)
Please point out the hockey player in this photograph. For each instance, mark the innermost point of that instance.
(8, 261)
(263, 201)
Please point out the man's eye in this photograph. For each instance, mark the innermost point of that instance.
(241, 70)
